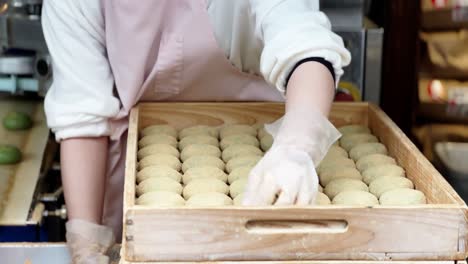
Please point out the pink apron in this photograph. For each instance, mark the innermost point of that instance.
(165, 50)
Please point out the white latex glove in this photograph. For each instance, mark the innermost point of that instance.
(301, 140)
(88, 242)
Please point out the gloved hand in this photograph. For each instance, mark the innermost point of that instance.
(301, 140)
(88, 242)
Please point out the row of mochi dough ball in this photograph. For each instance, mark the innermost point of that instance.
(357, 170)
(209, 166)
(198, 165)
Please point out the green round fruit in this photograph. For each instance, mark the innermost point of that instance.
(17, 121)
(9, 155)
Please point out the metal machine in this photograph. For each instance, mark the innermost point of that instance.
(365, 42)
(24, 62)
(25, 73)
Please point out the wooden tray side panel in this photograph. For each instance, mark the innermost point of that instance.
(223, 234)
(131, 158)
(130, 171)
(425, 177)
(181, 115)
(346, 113)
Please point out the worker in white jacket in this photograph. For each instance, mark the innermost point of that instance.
(110, 54)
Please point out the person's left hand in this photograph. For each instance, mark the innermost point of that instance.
(284, 171)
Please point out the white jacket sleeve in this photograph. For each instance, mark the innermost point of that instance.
(80, 100)
(292, 30)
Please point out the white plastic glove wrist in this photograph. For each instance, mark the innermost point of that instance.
(88, 242)
(304, 129)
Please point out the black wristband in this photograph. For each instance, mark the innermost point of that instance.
(316, 59)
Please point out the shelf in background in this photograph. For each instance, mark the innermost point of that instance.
(443, 112)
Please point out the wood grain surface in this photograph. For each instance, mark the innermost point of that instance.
(181, 115)
(18, 182)
(224, 234)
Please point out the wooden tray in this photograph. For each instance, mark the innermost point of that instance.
(436, 231)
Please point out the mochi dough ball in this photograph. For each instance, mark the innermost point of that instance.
(336, 152)
(337, 173)
(266, 142)
(240, 150)
(203, 172)
(209, 199)
(157, 139)
(237, 187)
(158, 171)
(243, 161)
(375, 172)
(199, 130)
(341, 185)
(239, 139)
(200, 150)
(161, 160)
(354, 129)
(334, 163)
(205, 185)
(197, 139)
(157, 149)
(202, 161)
(239, 173)
(352, 140)
(365, 149)
(159, 184)
(402, 197)
(160, 199)
(322, 199)
(387, 183)
(356, 198)
(373, 160)
(238, 200)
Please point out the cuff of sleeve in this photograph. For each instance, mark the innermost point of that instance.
(82, 130)
(322, 61)
(333, 58)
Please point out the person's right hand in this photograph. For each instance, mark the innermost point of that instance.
(301, 140)
(286, 171)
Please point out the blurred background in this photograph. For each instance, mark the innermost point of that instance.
(409, 57)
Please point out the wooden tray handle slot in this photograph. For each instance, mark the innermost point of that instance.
(296, 226)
